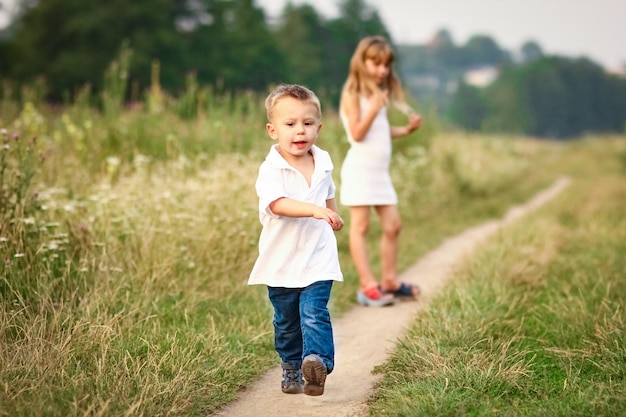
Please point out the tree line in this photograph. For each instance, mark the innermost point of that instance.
(534, 93)
(227, 44)
(551, 97)
(230, 45)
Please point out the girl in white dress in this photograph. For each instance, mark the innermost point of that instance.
(365, 181)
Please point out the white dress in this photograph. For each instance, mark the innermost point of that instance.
(365, 179)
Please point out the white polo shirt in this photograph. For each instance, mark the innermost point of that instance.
(295, 252)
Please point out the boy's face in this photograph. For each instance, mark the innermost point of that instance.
(295, 125)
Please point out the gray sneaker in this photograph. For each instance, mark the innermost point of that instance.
(292, 381)
(314, 373)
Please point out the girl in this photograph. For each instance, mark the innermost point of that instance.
(365, 181)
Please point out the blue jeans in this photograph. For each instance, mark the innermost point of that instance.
(302, 324)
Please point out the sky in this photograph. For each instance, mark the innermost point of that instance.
(595, 29)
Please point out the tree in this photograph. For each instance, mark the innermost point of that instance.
(530, 51)
(356, 20)
(71, 42)
(445, 52)
(468, 108)
(481, 50)
(442, 39)
(298, 35)
(556, 97)
(506, 107)
(234, 48)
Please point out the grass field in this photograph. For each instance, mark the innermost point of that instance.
(127, 237)
(534, 324)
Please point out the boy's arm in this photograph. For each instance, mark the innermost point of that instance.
(289, 207)
(331, 204)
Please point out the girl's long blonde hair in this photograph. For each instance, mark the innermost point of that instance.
(360, 83)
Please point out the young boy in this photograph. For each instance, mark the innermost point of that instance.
(298, 258)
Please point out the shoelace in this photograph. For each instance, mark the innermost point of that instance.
(292, 375)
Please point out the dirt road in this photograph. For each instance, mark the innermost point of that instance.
(365, 336)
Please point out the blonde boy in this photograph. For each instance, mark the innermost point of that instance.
(298, 258)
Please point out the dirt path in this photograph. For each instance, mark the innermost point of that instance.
(365, 336)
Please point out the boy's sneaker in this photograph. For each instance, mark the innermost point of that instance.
(314, 373)
(292, 381)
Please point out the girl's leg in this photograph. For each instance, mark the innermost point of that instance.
(359, 225)
(287, 330)
(391, 225)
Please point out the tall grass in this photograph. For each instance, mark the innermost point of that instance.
(134, 300)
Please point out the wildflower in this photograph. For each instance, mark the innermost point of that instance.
(113, 161)
(113, 164)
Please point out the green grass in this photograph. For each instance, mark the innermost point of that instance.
(534, 324)
(132, 296)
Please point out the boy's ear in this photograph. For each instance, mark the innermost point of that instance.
(271, 130)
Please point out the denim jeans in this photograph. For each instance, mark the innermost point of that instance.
(302, 324)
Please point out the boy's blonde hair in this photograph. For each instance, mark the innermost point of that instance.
(296, 91)
(359, 82)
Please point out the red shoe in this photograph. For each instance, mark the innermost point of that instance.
(373, 297)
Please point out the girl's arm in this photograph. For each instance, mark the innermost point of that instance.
(359, 124)
(415, 121)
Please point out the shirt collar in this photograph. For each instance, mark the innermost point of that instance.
(321, 157)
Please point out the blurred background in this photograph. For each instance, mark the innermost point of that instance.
(481, 65)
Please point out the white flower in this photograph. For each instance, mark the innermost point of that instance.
(113, 161)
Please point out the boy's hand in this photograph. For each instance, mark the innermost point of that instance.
(332, 217)
(336, 222)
